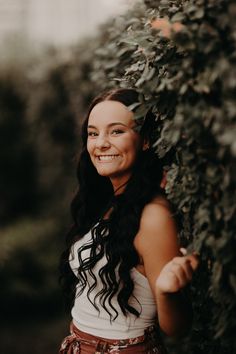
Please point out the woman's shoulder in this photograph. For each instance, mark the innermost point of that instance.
(158, 208)
(160, 200)
(156, 220)
(158, 230)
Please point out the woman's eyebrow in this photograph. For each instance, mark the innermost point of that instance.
(109, 125)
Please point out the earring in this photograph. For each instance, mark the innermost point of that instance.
(146, 146)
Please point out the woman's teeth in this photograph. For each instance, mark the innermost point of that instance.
(107, 157)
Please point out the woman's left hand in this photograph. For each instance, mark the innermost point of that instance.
(177, 273)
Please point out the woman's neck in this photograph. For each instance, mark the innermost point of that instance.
(119, 188)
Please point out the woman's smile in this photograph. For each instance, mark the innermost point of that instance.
(107, 158)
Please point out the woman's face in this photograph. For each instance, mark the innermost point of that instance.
(113, 144)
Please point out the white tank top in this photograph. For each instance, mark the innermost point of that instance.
(91, 321)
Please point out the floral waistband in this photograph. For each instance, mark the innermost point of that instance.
(71, 344)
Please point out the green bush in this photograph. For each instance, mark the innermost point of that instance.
(188, 79)
(61, 91)
(18, 178)
(30, 249)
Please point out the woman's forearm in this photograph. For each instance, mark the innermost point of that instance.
(174, 313)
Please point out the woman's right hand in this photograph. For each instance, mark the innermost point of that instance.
(177, 273)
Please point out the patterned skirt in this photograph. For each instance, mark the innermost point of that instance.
(79, 342)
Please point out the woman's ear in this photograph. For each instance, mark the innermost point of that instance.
(146, 145)
(164, 180)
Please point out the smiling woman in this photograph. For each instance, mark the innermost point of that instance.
(122, 251)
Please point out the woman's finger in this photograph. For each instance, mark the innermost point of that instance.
(193, 257)
(194, 260)
(182, 271)
(183, 251)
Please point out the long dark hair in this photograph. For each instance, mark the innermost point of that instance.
(114, 236)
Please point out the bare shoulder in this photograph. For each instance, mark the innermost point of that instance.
(157, 214)
(157, 228)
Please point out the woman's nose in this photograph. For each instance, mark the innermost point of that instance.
(102, 141)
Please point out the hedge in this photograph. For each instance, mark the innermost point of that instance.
(184, 65)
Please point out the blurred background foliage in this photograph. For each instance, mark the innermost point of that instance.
(185, 68)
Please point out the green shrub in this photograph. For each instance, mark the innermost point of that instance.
(18, 178)
(188, 79)
(29, 254)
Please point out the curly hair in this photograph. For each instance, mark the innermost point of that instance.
(113, 237)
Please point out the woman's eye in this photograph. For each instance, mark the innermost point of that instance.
(92, 134)
(117, 131)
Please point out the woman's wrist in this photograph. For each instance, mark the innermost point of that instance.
(165, 294)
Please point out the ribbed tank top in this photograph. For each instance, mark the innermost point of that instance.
(98, 323)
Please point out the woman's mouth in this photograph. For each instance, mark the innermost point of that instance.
(107, 158)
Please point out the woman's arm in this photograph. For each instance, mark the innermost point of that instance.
(167, 271)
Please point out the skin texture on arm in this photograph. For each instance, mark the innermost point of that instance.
(168, 272)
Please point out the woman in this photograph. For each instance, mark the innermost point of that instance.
(123, 248)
